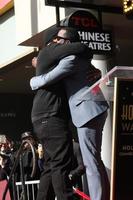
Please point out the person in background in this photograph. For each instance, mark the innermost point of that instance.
(3, 147)
(40, 157)
(26, 162)
(27, 157)
(5, 150)
(5, 169)
(41, 165)
(4, 166)
(88, 110)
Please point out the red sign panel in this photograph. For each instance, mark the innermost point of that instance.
(2, 188)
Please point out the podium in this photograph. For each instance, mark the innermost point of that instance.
(117, 87)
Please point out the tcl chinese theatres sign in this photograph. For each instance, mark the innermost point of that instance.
(5, 5)
(91, 32)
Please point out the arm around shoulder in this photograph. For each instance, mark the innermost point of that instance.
(65, 67)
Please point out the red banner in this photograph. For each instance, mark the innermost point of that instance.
(2, 189)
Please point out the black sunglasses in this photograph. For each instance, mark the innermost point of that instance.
(59, 38)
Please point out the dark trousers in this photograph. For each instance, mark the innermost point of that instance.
(57, 142)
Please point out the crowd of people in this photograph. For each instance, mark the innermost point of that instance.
(8, 151)
(8, 156)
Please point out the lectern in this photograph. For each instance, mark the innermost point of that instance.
(117, 87)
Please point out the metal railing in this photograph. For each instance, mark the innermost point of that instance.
(11, 176)
(31, 189)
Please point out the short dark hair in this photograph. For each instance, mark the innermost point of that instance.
(50, 33)
(71, 34)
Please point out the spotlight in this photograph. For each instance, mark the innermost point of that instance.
(128, 8)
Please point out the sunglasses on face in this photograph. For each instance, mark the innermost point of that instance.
(59, 38)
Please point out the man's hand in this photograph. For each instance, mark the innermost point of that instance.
(70, 176)
(2, 163)
(34, 62)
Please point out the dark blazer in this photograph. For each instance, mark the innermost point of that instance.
(50, 55)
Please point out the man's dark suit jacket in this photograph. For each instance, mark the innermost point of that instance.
(52, 100)
(50, 55)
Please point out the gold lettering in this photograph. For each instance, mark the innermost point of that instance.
(127, 147)
(124, 112)
(127, 112)
(125, 126)
(130, 112)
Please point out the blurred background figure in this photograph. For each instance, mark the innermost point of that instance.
(5, 169)
(25, 165)
(5, 160)
(41, 166)
(40, 159)
(27, 157)
(4, 166)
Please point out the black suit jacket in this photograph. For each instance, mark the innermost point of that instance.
(50, 55)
